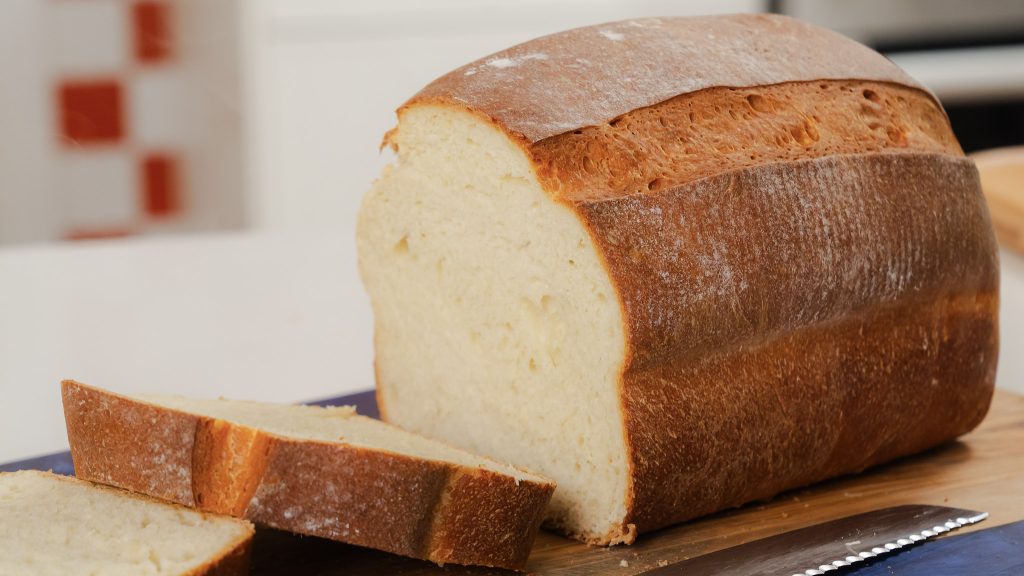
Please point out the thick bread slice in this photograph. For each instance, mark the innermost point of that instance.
(680, 264)
(319, 471)
(53, 525)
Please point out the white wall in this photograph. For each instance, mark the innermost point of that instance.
(325, 78)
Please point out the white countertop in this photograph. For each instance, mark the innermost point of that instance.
(256, 316)
(277, 318)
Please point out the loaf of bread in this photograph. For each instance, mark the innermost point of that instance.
(57, 526)
(680, 264)
(319, 471)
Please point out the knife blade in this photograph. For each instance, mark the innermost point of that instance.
(828, 546)
(996, 551)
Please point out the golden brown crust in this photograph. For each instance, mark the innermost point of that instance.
(796, 321)
(831, 399)
(469, 505)
(348, 494)
(719, 130)
(157, 463)
(763, 250)
(400, 504)
(227, 487)
(588, 76)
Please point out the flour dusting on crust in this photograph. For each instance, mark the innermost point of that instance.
(547, 86)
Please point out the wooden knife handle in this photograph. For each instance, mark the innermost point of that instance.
(1002, 180)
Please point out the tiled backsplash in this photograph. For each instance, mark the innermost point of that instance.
(131, 117)
(127, 88)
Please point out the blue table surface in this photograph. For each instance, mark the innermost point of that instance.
(60, 463)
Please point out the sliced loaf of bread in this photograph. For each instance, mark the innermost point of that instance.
(319, 471)
(680, 264)
(55, 525)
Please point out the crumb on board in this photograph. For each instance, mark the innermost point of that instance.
(662, 563)
(624, 563)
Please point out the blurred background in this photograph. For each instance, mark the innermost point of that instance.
(179, 179)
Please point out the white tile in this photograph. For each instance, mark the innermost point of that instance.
(88, 37)
(158, 105)
(97, 189)
(27, 127)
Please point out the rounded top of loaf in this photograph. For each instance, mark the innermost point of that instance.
(587, 76)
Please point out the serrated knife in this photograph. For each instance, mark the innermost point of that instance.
(829, 546)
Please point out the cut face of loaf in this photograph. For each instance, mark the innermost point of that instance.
(319, 471)
(497, 325)
(53, 526)
(760, 262)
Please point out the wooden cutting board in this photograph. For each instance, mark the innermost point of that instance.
(1002, 180)
(982, 471)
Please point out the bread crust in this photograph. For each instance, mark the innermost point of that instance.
(414, 507)
(875, 260)
(719, 130)
(586, 76)
(798, 321)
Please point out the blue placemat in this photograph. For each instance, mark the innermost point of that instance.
(60, 463)
(997, 551)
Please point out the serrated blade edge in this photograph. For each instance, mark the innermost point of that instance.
(889, 547)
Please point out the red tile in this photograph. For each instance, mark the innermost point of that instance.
(99, 234)
(161, 185)
(151, 29)
(91, 112)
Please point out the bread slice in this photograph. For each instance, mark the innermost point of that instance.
(53, 525)
(319, 471)
(680, 264)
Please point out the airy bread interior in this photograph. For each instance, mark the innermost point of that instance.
(50, 525)
(332, 424)
(497, 327)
